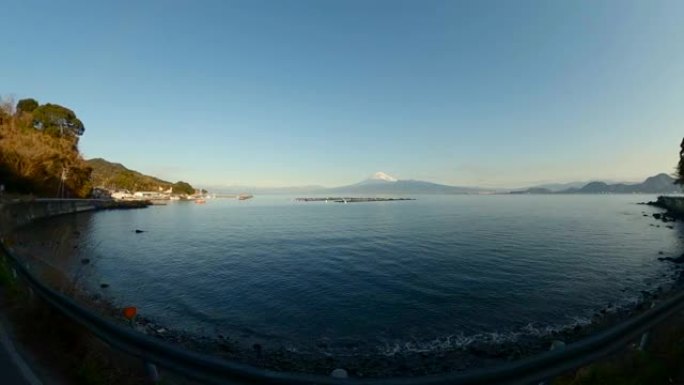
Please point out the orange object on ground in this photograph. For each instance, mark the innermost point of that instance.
(129, 312)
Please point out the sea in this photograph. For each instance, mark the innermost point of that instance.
(438, 272)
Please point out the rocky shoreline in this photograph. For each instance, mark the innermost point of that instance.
(673, 206)
(471, 353)
(465, 353)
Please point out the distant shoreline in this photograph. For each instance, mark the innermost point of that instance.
(352, 199)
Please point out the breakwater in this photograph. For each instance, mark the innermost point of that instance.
(352, 199)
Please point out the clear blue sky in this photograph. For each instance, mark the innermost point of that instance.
(491, 93)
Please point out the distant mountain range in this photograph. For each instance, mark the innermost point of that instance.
(381, 183)
(658, 184)
(377, 184)
(554, 187)
(237, 189)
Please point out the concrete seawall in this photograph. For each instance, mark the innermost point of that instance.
(19, 213)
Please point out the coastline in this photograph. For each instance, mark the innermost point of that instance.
(449, 354)
(406, 358)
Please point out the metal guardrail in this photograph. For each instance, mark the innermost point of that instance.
(213, 370)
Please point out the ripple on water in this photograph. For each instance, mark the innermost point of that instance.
(435, 273)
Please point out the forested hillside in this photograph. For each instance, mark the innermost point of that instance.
(39, 155)
(116, 176)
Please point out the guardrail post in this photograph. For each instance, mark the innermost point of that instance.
(644, 341)
(152, 372)
(646, 336)
(30, 289)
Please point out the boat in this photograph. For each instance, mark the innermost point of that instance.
(243, 197)
(200, 201)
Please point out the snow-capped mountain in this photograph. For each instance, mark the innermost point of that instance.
(382, 183)
(379, 178)
(383, 177)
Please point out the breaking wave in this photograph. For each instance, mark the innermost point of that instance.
(463, 342)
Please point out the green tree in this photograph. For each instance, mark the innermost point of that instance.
(27, 105)
(679, 176)
(181, 187)
(32, 162)
(57, 120)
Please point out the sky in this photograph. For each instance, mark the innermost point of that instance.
(286, 93)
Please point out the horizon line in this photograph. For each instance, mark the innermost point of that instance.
(512, 186)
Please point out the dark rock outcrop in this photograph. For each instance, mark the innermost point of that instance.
(679, 259)
(673, 206)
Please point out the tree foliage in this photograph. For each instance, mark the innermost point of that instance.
(679, 177)
(181, 187)
(32, 161)
(57, 120)
(39, 147)
(27, 105)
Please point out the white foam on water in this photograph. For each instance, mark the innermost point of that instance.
(462, 342)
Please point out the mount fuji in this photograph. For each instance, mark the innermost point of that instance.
(382, 183)
(378, 178)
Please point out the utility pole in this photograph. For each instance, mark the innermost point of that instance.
(61, 190)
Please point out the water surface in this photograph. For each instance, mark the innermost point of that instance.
(381, 275)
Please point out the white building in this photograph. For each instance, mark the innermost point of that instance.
(122, 195)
